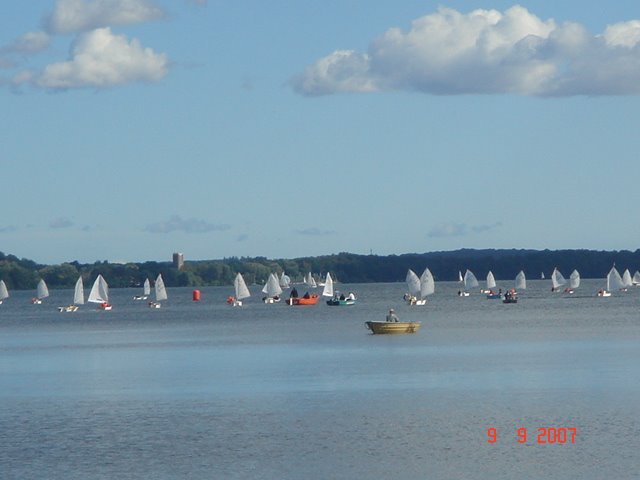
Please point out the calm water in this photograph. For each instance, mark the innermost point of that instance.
(207, 391)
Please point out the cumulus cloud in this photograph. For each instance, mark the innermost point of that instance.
(485, 52)
(460, 229)
(82, 15)
(101, 59)
(315, 232)
(186, 225)
(61, 222)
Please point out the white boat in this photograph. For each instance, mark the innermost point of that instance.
(310, 281)
(100, 293)
(491, 283)
(41, 292)
(327, 291)
(557, 280)
(160, 292)
(146, 291)
(241, 291)
(636, 278)
(272, 289)
(4, 293)
(627, 281)
(419, 287)
(285, 281)
(574, 282)
(470, 281)
(78, 297)
(614, 282)
(521, 281)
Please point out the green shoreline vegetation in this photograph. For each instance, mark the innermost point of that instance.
(22, 274)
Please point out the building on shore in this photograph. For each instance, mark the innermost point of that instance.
(178, 260)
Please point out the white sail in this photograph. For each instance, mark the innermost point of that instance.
(614, 280)
(146, 288)
(327, 291)
(99, 291)
(272, 287)
(470, 280)
(541, 275)
(521, 281)
(4, 293)
(78, 294)
(627, 281)
(574, 280)
(240, 287)
(427, 283)
(413, 283)
(460, 279)
(557, 280)
(491, 281)
(311, 281)
(160, 290)
(42, 290)
(636, 278)
(284, 280)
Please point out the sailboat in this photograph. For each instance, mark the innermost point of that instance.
(491, 284)
(574, 282)
(521, 281)
(285, 281)
(541, 275)
(557, 280)
(460, 279)
(100, 293)
(241, 291)
(41, 292)
(614, 282)
(470, 281)
(146, 291)
(419, 287)
(78, 297)
(627, 281)
(636, 278)
(310, 281)
(4, 293)
(271, 289)
(160, 292)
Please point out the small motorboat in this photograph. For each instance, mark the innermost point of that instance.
(379, 327)
(511, 296)
(305, 300)
(340, 302)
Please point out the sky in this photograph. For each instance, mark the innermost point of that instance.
(132, 129)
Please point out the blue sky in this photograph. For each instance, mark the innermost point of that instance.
(135, 128)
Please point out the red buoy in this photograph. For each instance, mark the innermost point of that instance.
(196, 295)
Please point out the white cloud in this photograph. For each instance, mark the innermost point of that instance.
(82, 15)
(187, 225)
(101, 59)
(29, 43)
(483, 52)
(460, 229)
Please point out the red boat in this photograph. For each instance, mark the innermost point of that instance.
(306, 300)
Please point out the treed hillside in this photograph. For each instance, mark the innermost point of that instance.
(345, 267)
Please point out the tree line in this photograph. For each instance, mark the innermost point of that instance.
(20, 273)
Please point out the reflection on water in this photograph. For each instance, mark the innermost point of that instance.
(204, 390)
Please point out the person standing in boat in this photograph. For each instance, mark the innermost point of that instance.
(391, 316)
(294, 293)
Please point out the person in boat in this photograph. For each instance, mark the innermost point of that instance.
(306, 295)
(351, 296)
(391, 316)
(342, 297)
(294, 293)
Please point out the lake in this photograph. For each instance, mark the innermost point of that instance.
(202, 390)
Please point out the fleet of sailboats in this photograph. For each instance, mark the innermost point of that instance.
(419, 287)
